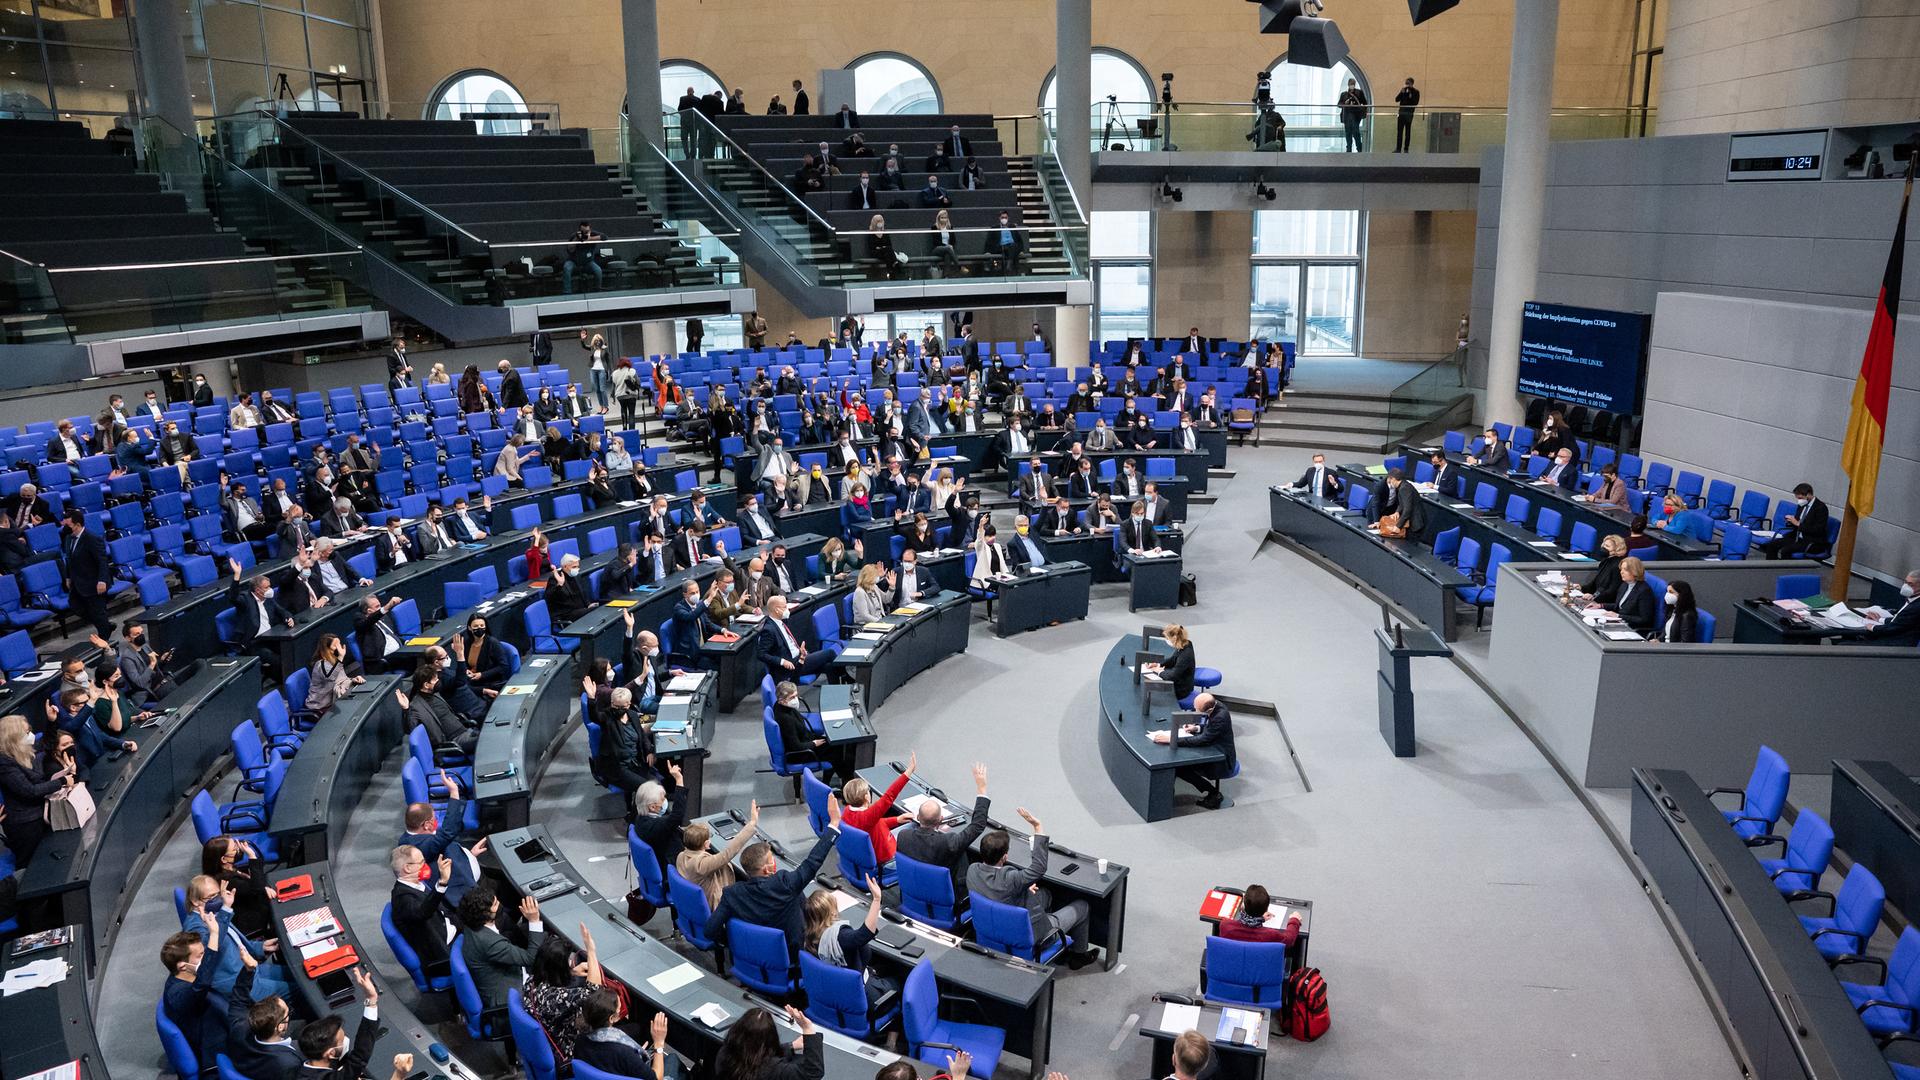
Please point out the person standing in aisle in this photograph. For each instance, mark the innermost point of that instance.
(1408, 99)
(1353, 113)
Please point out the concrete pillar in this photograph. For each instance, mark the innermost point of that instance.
(1072, 325)
(163, 62)
(640, 30)
(1073, 92)
(1523, 188)
(660, 337)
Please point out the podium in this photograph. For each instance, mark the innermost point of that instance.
(1397, 650)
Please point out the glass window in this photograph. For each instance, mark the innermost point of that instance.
(286, 35)
(23, 81)
(677, 75)
(479, 92)
(1307, 98)
(346, 11)
(93, 23)
(1115, 75)
(1120, 234)
(1332, 301)
(1123, 300)
(230, 31)
(1306, 232)
(16, 20)
(886, 83)
(90, 80)
(717, 332)
(1276, 289)
(334, 46)
(912, 323)
(237, 87)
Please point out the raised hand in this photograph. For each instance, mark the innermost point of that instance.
(1032, 821)
(980, 777)
(833, 810)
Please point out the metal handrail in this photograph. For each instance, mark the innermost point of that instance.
(742, 154)
(1067, 181)
(21, 261)
(235, 261)
(280, 124)
(699, 190)
(235, 168)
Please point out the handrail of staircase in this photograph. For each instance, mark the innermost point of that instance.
(235, 168)
(697, 189)
(742, 155)
(1067, 180)
(21, 261)
(280, 125)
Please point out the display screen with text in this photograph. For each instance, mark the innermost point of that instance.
(1583, 356)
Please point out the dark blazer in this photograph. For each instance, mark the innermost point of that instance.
(1178, 670)
(37, 509)
(492, 672)
(566, 600)
(421, 917)
(1131, 538)
(773, 648)
(246, 623)
(444, 726)
(496, 963)
(1902, 629)
(513, 393)
(691, 626)
(946, 848)
(384, 546)
(88, 564)
(773, 900)
(1604, 585)
(687, 551)
(1681, 626)
(1216, 729)
(366, 630)
(661, 831)
(251, 1058)
(1635, 604)
(1810, 533)
(352, 1066)
(1446, 479)
(1569, 478)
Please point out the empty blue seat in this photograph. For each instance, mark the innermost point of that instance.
(1853, 914)
(1804, 853)
(1764, 796)
(1892, 1004)
(1244, 972)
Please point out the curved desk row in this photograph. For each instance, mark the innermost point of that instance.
(85, 877)
(336, 764)
(185, 622)
(521, 733)
(935, 629)
(1402, 571)
(1876, 821)
(1488, 528)
(533, 865)
(1787, 1010)
(1130, 707)
(1038, 596)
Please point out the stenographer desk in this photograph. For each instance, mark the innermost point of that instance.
(1402, 571)
(1130, 707)
(1716, 702)
(1071, 875)
(1012, 994)
(1038, 596)
(517, 741)
(1759, 622)
(908, 646)
(328, 778)
(1876, 820)
(533, 865)
(1097, 550)
(844, 720)
(1787, 1012)
(52, 1025)
(688, 716)
(84, 876)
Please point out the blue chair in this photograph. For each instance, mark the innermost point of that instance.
(926, 894)
(17, 654)
(584, 1071)
(481, 1022)
(646, 868)
(816, 792)
(1244, 972)
(1583, 538)
(1763, 797)
(1796, 586)
(1852, 916)
(180, 1055)
(777, 752)
(931, 1039)
(1446, 545)
(1804, 853)
(462, 596)
(690, 911)
(1736, 540)
(858, 861)
(223, 1066)
(1517, 509)
(408, 958)
(837, 999)
(1892, 1004)
(1484, 497)
(250, 757)
(1709, 626)
(1547, 524)
(1482, 595)
(1009, 929)
(540, 630)
(760, 958)
(529, 1040)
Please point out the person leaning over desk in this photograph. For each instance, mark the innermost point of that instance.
(1214, 729)
(1178, 668)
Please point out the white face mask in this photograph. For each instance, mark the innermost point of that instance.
(268, 595)
(346, 1047)
(1906, 590)
(1672, 597)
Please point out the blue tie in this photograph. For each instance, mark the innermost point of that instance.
(1033, 551)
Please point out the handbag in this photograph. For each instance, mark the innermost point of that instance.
(70, 809)
(1390, 527)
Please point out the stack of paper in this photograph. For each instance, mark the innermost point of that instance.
(857, 653)
(674, 978)
(684, 682)
(676, 699)
(833, 716)
(1840, 615)
(33, 976)
(1179, 1017)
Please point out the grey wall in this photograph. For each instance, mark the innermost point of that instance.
(1758, 391)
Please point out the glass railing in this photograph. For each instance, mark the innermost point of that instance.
(1427, 394)
(452, 259)
(1064, 203)
(829, 245)
(1214, 127)
(29, 311)
(164, 297)
(488, 117)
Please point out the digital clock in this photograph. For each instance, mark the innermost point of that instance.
(1776, 155)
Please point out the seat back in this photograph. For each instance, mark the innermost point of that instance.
(1484, 496)
(1469, 559)
(402, 951)
(920, 1007)
(836, 996)
(179, 1050)
(857, 859)
(1766, 791)
(1903, 969)
(817, 793)
(646, 867)
(1446, 545)
(1708, 627)
(1547, 524)
(224, 1066)
(1582, 538)
(1810, 847)
(1795, 586)
(690, 909)
(926, 892)
(1857, 907)
(1002, 927)
(529, 1039)
(463, 596)
(1517, 508)
(1245, 972)
(465, 993)
(759, 957)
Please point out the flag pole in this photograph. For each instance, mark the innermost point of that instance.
(1843, 551)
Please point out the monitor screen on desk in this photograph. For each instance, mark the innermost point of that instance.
(1584, 356)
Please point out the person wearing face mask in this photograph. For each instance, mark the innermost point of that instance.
(393, 548)
(202, 393)
(1903, 626)
(456, 683)
(330, 1054)
(1136, 531)
(785, 575)
(425, 707)
(855, 512)
(909, 582)
(1006, 244)
(377, 633)
(438, 835)
(435, 537)
(421, 910)
(209, 914)
(142, 669)
(188, 999)
(255, 611)
(486, 660)
(329, 677)
(495, 962)
(258, 1035)
(1683, 615)
(1806, 527)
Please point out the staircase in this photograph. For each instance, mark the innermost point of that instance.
(1046, 255)
(1328, 420)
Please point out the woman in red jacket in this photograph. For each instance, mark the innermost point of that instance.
(868, 814)
(537, 561)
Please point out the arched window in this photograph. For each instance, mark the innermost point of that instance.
(314, 99)
(1120, 77)
(677, 75)
(1306, 98)
(888, 83)
(479, 91)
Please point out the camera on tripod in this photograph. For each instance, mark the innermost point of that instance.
(1166, 88)
(1263, 89)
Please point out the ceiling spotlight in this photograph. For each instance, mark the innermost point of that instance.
(1169, 193)
(1276, 16)
(1313, 42)
(1422, 10)
(1262, 191)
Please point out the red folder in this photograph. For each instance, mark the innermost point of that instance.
(294, 888)
(1218, 906)
(331, 961)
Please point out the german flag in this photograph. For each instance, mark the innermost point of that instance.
(1867, 425)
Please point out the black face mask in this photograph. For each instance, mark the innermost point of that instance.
(477, 631)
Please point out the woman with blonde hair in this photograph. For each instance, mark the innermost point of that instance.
(597, 366)
(25, 784)
(944, 244)
(880, 249)
(438, 376)
(1177, 669)
(869, 603)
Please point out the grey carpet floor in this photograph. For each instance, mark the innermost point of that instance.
(1470, 916)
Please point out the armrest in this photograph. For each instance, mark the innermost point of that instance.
(1738, 818)
(1857, 940)
(1856, 958)
(1878, 1003)
(1810, 875)
(1767, 838)
(1897, 1037)
(1810, 894)
(252, 816)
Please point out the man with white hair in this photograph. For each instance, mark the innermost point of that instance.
(626, 744)
(782, 651)
(928, 840)
(658, 818)
(566, 598)
(420, 905)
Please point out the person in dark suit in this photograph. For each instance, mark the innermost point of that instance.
(929, 841)
(955, 147)
(513, 392)
(496, 963)
(1446, 475)
(786, 575)
(846, 119)
(691, 623)
(1683, 614)
(1635, 605)
(420, 907)
(1489, 448)
(328, 1054)
(1398, 499)
(1214, 729)
(1806, 527)
(374, 629)
(1562, 473)
(1903, 626)
(782, 651)
(68, 444)
(255, 609)
(1136, 531)
(658, 817)
(89, 572)
(26, 508)
(769, 896)
(393, 548)
(446, 729)
(1603, 585)
(1177, 669)
(258, 1039)
(566, 598)
(1006, 244)
(865, 195)
(689, 545)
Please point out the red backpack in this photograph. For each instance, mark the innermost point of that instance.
(1305, 1014)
